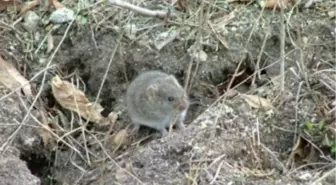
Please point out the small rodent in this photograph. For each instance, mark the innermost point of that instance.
(156, 99)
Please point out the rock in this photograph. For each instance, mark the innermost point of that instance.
(62, 15)
(198, 55)
(165, 38)
(331, 13)
(131, 31)
(31, 21)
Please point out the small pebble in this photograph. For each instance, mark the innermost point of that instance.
(62, 15)
(131, 31)
(31, 21)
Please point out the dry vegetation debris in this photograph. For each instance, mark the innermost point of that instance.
(262, 74)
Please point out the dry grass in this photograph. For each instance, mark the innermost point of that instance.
(204, 23)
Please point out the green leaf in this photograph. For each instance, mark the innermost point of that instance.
(329, 143)
(333, 149)
(309, 125)
(81, 20)
(84, 20)
(321, 124)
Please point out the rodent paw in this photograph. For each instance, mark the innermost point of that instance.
(180, 125)
(164, 132)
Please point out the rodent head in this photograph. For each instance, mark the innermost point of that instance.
(168, 95)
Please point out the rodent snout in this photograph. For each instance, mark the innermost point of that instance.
(182, 105)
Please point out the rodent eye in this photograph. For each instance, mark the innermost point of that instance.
(170, 98)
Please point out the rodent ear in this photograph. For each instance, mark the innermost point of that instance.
(170, 77)
(173, 79)
(152, 91)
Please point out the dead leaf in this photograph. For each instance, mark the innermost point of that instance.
(231, 1)
(298, 147)
(120, 139)
(304, 151)
(28, 6)
(56, 4)
(113, 116)
(45, 131)
(50, 43)
(257, 102)
(182, 5)
(45, 134)
(12, 79)
(69, 97)
(275, 4)
(5, 3)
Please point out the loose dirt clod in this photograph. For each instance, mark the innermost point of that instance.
(260, 82)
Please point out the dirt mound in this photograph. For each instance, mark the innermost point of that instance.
(247, 123)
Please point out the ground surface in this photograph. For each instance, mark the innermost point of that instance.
(255, 133)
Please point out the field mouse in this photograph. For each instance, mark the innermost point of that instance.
(156, 99)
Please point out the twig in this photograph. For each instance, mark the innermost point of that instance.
(140, 10)
(282, 49)
(202, 22)
(42, 42)
(217, 172)
(188, 75)
(262, 49)
(10, 139)
(82, 129)
(245, 48)
(9, 26)
(114, 51)
(274, 157)
(48, 130)
(112, 160)
(324, 176)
